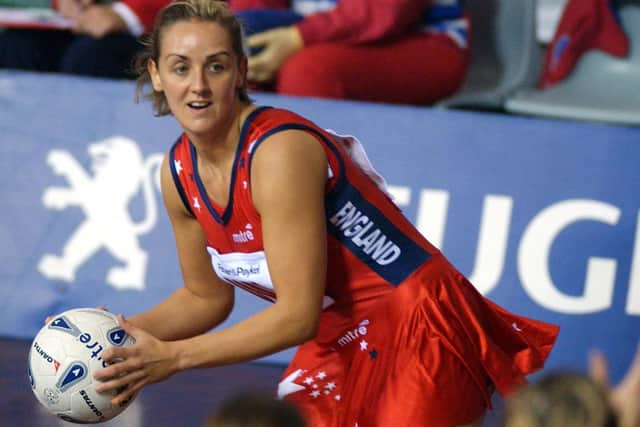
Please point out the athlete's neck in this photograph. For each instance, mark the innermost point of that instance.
(220, 147)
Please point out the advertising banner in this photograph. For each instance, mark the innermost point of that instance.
(542, 215)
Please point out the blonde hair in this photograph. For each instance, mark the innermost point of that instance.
(179, 11)
(561, 400)
(255, 409)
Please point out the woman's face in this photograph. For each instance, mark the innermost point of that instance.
(200, 76)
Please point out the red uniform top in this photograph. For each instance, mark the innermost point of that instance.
(372, 247)
(404, 338)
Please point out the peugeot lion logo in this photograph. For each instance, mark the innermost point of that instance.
(119, 173)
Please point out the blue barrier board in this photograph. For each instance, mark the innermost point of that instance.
(542, 215)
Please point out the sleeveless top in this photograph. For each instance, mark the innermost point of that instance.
(372, 247)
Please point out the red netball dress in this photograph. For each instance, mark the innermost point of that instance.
(404, 339)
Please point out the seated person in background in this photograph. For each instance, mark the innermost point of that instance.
(254, 409)
(103, 42)
(409, 52)
(624, 397)
(575, 400)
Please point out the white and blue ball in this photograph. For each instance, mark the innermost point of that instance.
(65, 354)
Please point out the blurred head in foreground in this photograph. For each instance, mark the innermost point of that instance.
(254, 409)
(561, 400)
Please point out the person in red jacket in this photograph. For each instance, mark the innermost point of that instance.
(409, 52)
(103, 42)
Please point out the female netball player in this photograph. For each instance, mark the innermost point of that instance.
(262, 199)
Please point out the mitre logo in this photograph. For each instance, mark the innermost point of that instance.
(244, 236)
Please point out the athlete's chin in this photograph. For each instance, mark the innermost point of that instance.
(199, 128)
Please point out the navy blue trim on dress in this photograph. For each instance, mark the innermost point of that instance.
(359, 225)
(372, 237)
(226, 215)
(176, 178)
(299, 126)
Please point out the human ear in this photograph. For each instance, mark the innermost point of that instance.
(156, 82)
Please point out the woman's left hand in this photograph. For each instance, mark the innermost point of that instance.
(278, 44)
(148, 361)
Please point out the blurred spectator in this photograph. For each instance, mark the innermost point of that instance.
(575, 400)
(102, 44)
(409, 51)
(584, 25)
(561, 400)
(254, 409)
(625, 397)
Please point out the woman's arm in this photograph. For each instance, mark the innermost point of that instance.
(205, 301)
(350, 22)
(288, 178)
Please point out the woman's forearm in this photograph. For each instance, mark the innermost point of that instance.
(267, 332)
(182, 315)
